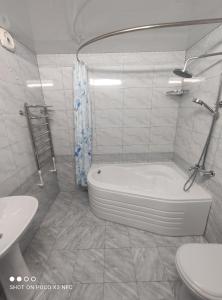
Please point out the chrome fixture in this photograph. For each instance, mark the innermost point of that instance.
(199, 168)
(146, 27)
(40, 133)
(186, 74)
(6, 40)
(178, 92)
(199, 101)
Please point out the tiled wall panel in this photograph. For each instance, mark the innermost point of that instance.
(16, 155)
(194, 123)
(18, 174)
(135, 117)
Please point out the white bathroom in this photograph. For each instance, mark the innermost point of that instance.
(110, 150)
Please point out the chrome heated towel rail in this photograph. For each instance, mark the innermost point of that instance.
(38, 120)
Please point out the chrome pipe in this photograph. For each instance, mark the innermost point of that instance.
(200, 166)
(38, 117)
(43, 150)
(54, 170)
(41, 184)
(50, 135)
(204, 172)
(146, 27)
(190, 59)
(214, 120)
(40, 146)
(43, 143)
(210, 54)
(27, 113)
(37, 105)
(44, 133)
(39, 125)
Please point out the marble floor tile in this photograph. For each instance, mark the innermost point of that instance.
(120, 291)
(81, 237)
(102, 260)
(44, 240)
(55, 217)
(82, 218)
(39, 250)
(119, 265)
(79, 205)
(141, 239)
(35, 261)
(59, 269)
(172, 241)
(148, 265)
(52, 295)
(167, 255)
(91, 219)
(75, 219)
(81, 194)
(74, 203)
(87, 291)
(175, 286)
(92, 237)
(155, 291)
(199, 239)
(117, 236)
(89, 266)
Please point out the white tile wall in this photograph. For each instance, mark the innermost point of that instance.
(194, 122)
(138, 110)
(59, 70)
(16, 156)
(125, 117)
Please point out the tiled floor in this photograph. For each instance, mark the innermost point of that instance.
(102, 260)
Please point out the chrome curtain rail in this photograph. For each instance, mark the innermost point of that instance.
(146, 27)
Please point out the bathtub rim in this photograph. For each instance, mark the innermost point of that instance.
(115, 189)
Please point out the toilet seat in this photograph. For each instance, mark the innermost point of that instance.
(200, 267)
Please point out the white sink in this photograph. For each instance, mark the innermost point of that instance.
(16, 213)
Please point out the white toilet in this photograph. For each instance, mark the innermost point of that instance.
(200, 268)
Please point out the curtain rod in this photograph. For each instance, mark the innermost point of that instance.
(146, 27)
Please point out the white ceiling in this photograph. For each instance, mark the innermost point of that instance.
(60, 26)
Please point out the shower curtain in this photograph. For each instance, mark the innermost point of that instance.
(83, 124)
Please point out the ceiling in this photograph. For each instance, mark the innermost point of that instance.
(60, 26)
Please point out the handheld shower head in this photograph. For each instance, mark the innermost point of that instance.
(198, 101)
(201, 102)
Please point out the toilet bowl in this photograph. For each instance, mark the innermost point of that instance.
(200, 269)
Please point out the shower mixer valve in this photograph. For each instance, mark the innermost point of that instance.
(202, 171)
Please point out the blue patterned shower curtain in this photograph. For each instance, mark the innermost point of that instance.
(83, 124)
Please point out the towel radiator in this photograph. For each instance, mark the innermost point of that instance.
(38, 120)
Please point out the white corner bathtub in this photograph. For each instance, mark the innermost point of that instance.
(149, 197)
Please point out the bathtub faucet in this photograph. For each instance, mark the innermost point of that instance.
(202, 170)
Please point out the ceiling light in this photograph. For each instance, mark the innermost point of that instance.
(193, 80)
(38, 83)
